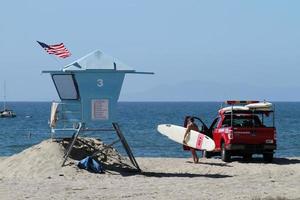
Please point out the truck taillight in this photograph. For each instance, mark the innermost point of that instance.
(230, 135)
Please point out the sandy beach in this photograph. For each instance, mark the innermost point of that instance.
(36, 173)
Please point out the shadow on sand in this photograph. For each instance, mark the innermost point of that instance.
(122, 169)
(286, 161)
(129, 171)
(183, 175)
(276, 161)
(210, 163)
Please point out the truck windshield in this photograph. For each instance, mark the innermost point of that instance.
(244, 121)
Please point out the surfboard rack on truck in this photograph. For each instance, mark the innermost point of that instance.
(244, 128)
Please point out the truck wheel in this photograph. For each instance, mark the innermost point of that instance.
(206, 154)
(225, 154)
(268, 157)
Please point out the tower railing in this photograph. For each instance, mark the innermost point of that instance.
(65, 115)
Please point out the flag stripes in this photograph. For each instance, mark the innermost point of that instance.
(57, 49)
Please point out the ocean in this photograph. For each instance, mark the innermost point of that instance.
(138, 121)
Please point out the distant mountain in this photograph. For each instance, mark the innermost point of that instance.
(212, 91)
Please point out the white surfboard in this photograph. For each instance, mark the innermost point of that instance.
(234, 108)
(260, 106)
(194, 139)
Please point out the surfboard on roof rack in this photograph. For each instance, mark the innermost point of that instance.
(260, 106)
(246, 106)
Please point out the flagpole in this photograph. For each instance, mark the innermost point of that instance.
(56, 59)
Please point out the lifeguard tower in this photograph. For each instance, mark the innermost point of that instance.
(89, 89)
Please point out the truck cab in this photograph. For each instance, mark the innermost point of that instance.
(243, 128)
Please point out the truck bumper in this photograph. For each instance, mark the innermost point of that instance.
(251, 148)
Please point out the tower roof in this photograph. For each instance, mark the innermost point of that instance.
(97, 60)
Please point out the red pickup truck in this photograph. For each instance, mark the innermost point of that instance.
(243, 130)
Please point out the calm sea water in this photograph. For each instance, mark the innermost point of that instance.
(138, 121)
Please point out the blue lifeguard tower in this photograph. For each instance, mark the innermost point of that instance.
(89, 89)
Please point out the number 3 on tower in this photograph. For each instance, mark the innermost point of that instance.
(100, 82)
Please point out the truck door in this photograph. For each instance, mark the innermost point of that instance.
(203, 128)
(213, 129)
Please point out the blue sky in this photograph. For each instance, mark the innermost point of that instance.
(199, 50)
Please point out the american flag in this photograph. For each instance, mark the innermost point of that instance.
(57, 49)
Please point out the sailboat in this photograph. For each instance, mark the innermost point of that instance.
(6, 113)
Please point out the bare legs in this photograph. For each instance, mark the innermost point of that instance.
(195, 157)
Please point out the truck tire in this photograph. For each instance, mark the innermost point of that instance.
(225, 154)
(268, 156)
(206, 154)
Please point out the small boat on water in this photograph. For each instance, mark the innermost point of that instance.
(6, 113)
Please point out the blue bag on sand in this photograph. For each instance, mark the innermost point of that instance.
(91, 165)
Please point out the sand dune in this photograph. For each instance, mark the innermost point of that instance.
(36, 173)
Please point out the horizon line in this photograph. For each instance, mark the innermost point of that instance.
(162, 101)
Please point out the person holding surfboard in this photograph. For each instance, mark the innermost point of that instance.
(191, 125)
